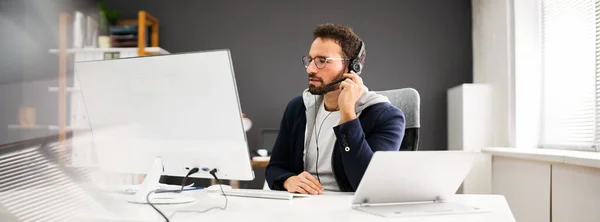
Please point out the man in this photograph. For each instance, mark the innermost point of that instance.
(328, 134)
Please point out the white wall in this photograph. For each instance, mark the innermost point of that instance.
(507, 55)
(493, 57)
(492, 62)
(528, 72)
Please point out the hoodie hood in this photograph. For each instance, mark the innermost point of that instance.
(312, 102)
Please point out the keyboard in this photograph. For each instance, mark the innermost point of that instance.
(268, 194)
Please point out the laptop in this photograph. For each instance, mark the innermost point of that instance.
(400, 184)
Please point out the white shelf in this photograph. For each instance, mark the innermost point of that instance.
(573, 157)
(55, 89)
(124, 49)
(55, 127)
(16, 126)
(48, 127)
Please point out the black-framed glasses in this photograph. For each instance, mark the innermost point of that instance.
(320, 61)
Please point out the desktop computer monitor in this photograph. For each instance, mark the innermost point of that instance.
(181, 109)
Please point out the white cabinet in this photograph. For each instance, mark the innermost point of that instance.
(469, 115)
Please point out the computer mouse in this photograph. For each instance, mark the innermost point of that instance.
(217, 187)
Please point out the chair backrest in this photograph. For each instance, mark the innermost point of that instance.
(409, 102)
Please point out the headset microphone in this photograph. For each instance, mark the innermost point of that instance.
(336, 82)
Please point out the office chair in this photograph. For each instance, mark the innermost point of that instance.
(409, 101)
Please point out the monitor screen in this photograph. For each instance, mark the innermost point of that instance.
(183, 108)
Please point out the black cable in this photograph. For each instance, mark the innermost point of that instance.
(213, 173)
(317, 165)
(152, 205)
(317, 137)
(192, 171)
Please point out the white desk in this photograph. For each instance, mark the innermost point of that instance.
(327, 207)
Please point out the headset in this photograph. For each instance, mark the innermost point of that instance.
(356, 64)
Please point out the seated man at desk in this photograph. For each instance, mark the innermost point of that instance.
(329, 133)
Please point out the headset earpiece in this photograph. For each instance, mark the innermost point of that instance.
(356, 67)
(356, 64)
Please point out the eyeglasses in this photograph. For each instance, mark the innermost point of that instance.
(320, 61)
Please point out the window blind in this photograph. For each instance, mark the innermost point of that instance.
(570, 43)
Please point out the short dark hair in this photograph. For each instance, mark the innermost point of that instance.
(343, 35)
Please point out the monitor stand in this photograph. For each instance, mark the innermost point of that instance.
(151, 181)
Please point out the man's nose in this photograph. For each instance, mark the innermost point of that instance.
(312, 68)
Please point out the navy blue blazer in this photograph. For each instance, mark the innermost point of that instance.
(380, 127)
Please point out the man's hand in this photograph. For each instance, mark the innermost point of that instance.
(351, 90)
(304, 183)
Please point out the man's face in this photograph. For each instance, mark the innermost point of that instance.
(324, 71)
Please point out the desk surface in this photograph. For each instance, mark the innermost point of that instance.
(327, 207)
(260, 163)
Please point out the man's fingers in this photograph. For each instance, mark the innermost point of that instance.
(355, 78)
(310, 184)
(299, 189)
(308, 189)
(313, 179)
(343, 84)
(293, 189)
(351, 76)
(346, 83)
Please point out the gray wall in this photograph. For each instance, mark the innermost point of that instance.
(11, 69)
(424, 44)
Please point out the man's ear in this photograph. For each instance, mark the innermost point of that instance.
(347, 67)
